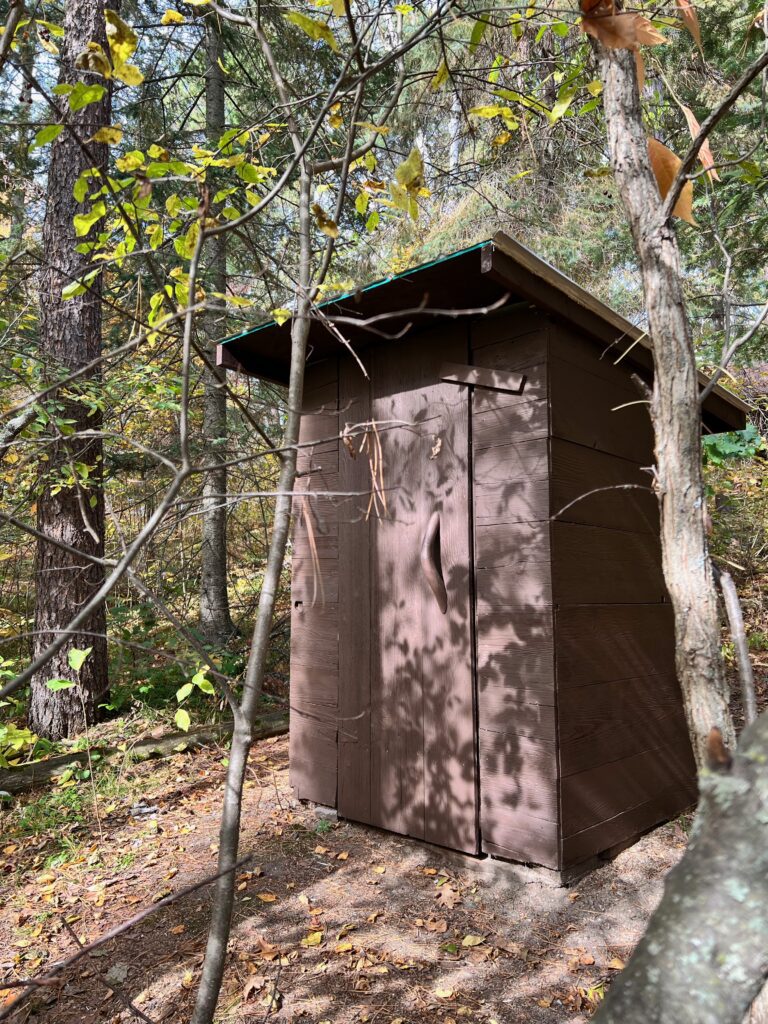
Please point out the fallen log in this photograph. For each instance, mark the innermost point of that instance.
(37, 773)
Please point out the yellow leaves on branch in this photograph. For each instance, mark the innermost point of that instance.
(665, 166)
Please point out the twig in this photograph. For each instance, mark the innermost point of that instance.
(46, 979)
(116, 989)
(741, 646)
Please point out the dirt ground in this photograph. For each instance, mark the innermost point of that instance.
(334, 922)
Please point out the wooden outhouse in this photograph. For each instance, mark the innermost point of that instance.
(482, 650)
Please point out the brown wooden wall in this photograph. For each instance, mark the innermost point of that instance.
(625, 761)
(515, 661)
(582, 741)
(314, 683)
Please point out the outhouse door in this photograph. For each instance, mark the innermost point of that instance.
(406, 729)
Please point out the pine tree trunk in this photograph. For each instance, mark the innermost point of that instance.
(70, 337)
(215, 621)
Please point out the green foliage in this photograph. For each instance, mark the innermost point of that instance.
(738, 444)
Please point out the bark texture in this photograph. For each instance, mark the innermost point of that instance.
(215, 620)
(675, 411)
(70, 337)
(704, 956)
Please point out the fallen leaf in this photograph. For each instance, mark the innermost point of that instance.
(439, 925)
(313, 939)
(473, 940)
(321, 849)
(447, 897)
(267, 897)
(371, 919)
(665, 166)
(444, 993)
(253, 986)
(616, 964)
(179, 929)
(344, 855)
(343, 947)
(379, 869)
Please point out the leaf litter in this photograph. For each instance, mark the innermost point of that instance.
(345, 924)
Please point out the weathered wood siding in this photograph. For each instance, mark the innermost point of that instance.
(314, 684)
(517, 727)
(625, 761)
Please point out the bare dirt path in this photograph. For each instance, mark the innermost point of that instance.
(335, 922)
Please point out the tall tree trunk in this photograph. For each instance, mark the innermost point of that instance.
(70, 507)
(215, 621)
(675, 411)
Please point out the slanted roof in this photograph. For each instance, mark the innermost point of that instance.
(499, 270)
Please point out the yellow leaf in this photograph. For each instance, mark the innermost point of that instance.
(665, 166)
(343, 947)
(267, 897)
(129, 74)
(344, 855)
(317, 30)
(472, 940)
(444, 993)
(313, 939)
(410, 173)
(325, 223)
(171, 17)
(379, 869)
(122, 39)
(440, 76)
(617, 964)
(46, 41)
(110, 134)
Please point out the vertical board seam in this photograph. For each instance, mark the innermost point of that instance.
(473, 602)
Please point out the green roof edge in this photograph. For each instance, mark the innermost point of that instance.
(366, 288)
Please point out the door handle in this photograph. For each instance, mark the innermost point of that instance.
(430, 561)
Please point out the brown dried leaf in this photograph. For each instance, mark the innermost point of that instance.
(436, 924)
(691, 19)
(665, 166)
(705, 153)
(640, 70)
(624, 31)
(447, 897)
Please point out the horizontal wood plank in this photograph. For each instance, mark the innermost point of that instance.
(521, 422)
(500, 711)
(508, 325)
(608, 743)
(601, 793)
(598, 489)
(519, 776)
(600, 643)
(628, 823)
(510, 545)
(594, 565)
(584, 410)
(475, 376)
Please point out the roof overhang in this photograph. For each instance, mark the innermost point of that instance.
(491, 274)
